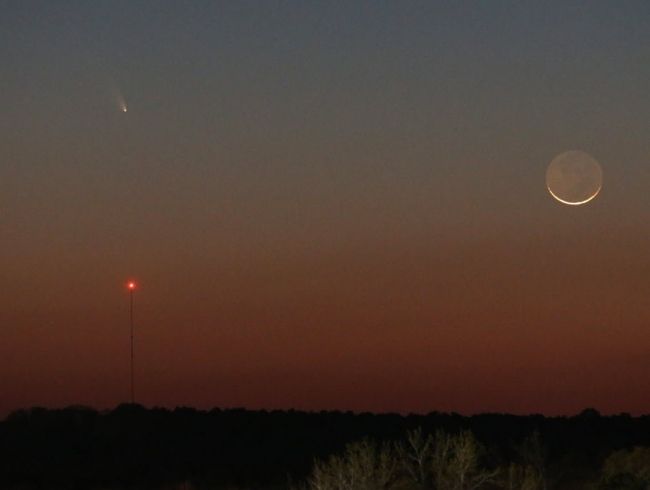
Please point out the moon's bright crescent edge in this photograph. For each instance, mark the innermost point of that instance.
(578, 203)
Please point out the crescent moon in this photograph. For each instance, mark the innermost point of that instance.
(574, 178)
(572, 203)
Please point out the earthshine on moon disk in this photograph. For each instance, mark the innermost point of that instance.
(574, 178)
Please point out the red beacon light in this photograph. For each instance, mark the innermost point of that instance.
(131, 285)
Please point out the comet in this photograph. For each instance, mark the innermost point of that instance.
(119, 99)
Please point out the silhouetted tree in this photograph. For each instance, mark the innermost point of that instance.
(533, 456)
(462, 470)
(416, 457)
(627, 470)
(518, 477)
(444, 462)
(363, 466)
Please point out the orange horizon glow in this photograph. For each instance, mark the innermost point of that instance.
(368, 231)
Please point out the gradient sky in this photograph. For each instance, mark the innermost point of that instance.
(328, 205)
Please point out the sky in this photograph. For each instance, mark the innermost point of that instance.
(326, 205)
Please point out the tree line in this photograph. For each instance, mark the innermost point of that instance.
(184, 448)
(456, 462)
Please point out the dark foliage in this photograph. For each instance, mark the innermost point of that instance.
(132, 446)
